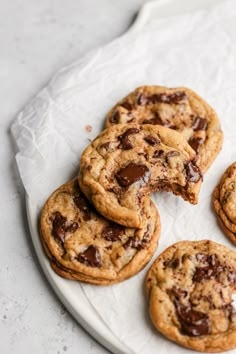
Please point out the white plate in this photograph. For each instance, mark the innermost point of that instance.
(71, 293)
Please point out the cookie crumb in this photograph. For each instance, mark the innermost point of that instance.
(88, 128)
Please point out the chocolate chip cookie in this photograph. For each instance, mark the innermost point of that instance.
(180, 109)
(83, 245)
(191, 289)
(224, 199)
(125, 163)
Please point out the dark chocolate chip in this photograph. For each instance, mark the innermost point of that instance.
(82, 203)
(193, 172)
(158, 154)
(176, 98)
(115, 117)
(113, 232)
(132, 173)
(133, 242)
(199, 124)
(202, 273)
(127, 106)
(196, 143)
(193, 323)
(151, 140)
(125, 144)
(179, 293)
(212, 270)
(58, 226)
(61, 226)
(173, 263)
(154, 121)
(90, 257)
(157, 121)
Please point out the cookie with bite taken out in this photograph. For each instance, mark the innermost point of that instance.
(125, 163)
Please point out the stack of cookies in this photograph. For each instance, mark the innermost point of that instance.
(103, 228)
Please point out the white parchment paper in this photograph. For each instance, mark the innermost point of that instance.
(195, 50)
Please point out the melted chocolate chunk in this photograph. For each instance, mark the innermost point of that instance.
(199, 124)
(115, 117)
(172, 154)
(193, 172)
(173, 263)
(58, 227)
(61, 226)
(154, 121)
(193, 323)
(131, 174)
(195, 143)
(127, 106)
(133, 242)
(157, 121)
(90, 257)
(158, 154)
(82, 203)
(151, 140)
(113, 232)
(125, 144)
(211, 271)
(176, 98)
(178, 293)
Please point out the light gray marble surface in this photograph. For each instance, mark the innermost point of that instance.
(36, 39)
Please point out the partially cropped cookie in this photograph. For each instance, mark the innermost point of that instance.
(191, 290)
(224, 199)
(83, 245)
(125, 163)
(178, 108)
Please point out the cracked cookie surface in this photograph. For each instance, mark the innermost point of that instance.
(125, 163)
(175, 108)
(191, 289)
(83, 245)
(224, 199)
